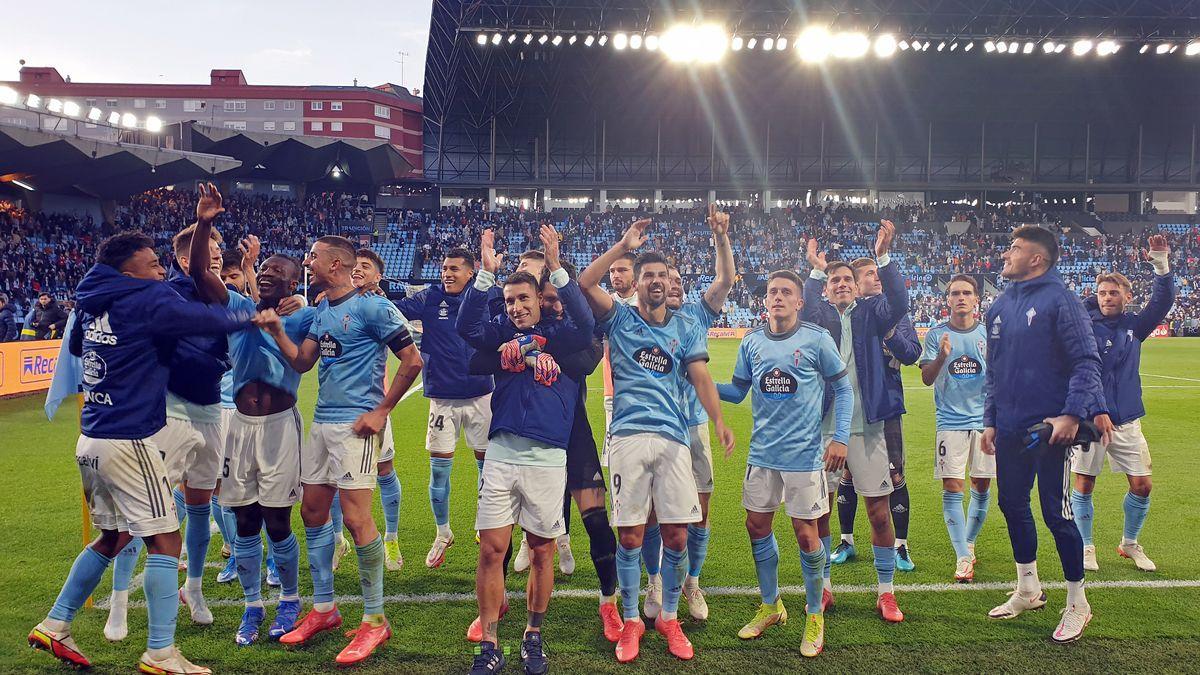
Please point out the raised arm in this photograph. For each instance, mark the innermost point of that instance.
(934, 358)
(717, 292)
(1163, 295)
(250, 248)
(814, 285)
(209, 286)
(892, 306)
(589, 280)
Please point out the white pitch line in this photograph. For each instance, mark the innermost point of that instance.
(410, 392)
(431, 598)
(1172, 377)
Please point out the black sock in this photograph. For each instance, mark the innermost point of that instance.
(567, 512)
(508, 557)
(847, 505)
(900, 509)
(603, 545)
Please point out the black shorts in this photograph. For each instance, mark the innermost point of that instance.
(583, 462)
(893, 436)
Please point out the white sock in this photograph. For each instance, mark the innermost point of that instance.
(1126, 542)
(444, 530)
(848, 538)
(563, 538)
(160, 653)
(255, 603)
(691, 581)
(668, 616)
(901, 542)
(655, 577)
(829, 584)
(194, 584)
(608, 598)
(1075, 594)
(389, 536)
(56, 625)
(289, 598)
(119, 598)
(323, 606)
(1027, 579)
(886, 588)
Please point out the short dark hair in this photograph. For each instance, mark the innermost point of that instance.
(522, 278)
(648, 258)
(965, 278)
(463, 253)
(532, 255)
(838, 264)
(572, 273)
(295, 264)
(231, 257)
(628, 255)
(44, 294)
(372, 256)
(344, 246)
(1040, 236)
(117, 249)
(182, 243)
(789, 275)
(860, 263)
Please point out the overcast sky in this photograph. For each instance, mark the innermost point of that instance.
(298, 42)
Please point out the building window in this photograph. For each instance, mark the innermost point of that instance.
(289, 126)
(110, 103)
(235, 106)
(234, 124)
(317, 105)
(268, 126)
(335, 105)
(335, 126)
(139, 103)
(160, 103)
(289, 105)
(318, 126)
(383, 132)
(268, 105)
(383, 111)
(91, 103)
(193, 106)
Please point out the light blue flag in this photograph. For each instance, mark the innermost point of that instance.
(68, 373)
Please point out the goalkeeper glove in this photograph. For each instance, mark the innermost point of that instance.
(545, 368)
(512, 353)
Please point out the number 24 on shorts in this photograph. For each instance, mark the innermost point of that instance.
(437, 421)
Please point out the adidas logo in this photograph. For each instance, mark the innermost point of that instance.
(292, 494)
(347, 476)
(950, 521)
(557, 524)
(884, 485)
(695, 510)
(598, 476)
(841, 499)
(899, 508)
(816, 507)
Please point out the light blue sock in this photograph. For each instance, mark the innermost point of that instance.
(439, 488)
(885, 563)
(230, 520)
(370, 575)
(124, 564)
(766, 566)
(674, 569)
(287, 564)
(812, 563)
(629, 575)
(952, 515)
(319, 542)
(976, 513)
(1136, 509)
(199, 534)
(1081, 506)
(218, 515)
(479, 465)
(180, 504)
(389, 494)
(247, 554)
(161, 584)
(827, 542)
(652, 549)
(335, 514)
(85, 573)
(697, 548)
(266, 538)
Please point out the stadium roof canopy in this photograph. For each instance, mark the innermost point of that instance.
(59, 164)
(320, 162)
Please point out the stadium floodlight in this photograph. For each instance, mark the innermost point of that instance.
(925, 47)
(989, 46)
(714, 42)
(54, 105)
(941, 46)
(1144, 49)
(752, 43)
(557, 40)
(781, 44)
(33, 101)
(635, 41)
(1081, 47)
(153, 124)
(848, 45)
(9, 96)
(1192, 48)
(885, 45)
(337, 172)
(587, 41)
(953, 46)
(903, 45)
(571, 40)
(481, 39)
(129, 121)
(497, 38)
(22, 184)
(528, 38)
(1028, 48)
(1163, 48)
(1106, 48)
(969, 47)
(603, 40)
(620, 41)
(652, 43)
(736, 43)
(1058, 48)
(543, 39)
(768, 44)
(71, 109)
(1048, 47)
(94, 114)
(1002, 47)
(814, 44)
(114, 118)
(1174, 48)
(512, 37)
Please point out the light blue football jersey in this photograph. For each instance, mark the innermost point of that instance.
(227, 385)
(649, 365)
(352, 333)
(256, 357)
(704, 317)
(786, 375)
(958, 392)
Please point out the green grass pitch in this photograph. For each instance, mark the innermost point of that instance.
(1151, 627)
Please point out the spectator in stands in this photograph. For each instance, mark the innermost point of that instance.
(49, 319)
(8, 322)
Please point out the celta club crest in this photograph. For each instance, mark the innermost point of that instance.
(346, 322)
(674, 345)
(796, 357)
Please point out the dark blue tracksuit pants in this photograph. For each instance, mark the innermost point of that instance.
(1016, 469)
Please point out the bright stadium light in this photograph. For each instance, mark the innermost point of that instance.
(1048, 47)
(953, 46)
(603, 40)
(1106, 48)
(752, 43)
(768, 44)
(969, 47)
(497, 38)
(481, 39)
(1028, 48)
(1163, 48)
(736, 43)
(714, 42)
(941, 46)
(1192, 49)
(1144, 49)
(71, 109)
(903, 45)
(153, 124)
(885, 45)
(814, 44)
(9, 96)
(33, 101)
(557, 40)
(620, 41)
(1081, 47)
(652, 43)
(543, 39)
(528, 38)
(114, 118)
(512, 37)
(1058, 48)
(1174, 48)
(781, 44)
(129, 121)
(94, 114)
(635, 41)
(852, 45)
(54, 105)
(989, 46)
(1002, 47)
(571, 40)
(587, 41)
(924, 47)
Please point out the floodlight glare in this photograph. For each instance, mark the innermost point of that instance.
(620, 41)
(33, 101)
(885, 46)
(54, 105)
(481, 39)
(1144, 49)
(71, 109)
(129, 121)
(1058, 48)
(1028, 48)
(94, 114)
(9, 96)
(1106, 47)
(512, 37)
(1192, 49)
(736, 43)
(153, 124)
(1081, 47)
(1048, 47)
(1163, 48)
(114, 118)
(953, 46)
(941, 46)
(528, 38)
(814, 44)
(571, 40)
(652, 43)
(752, 43)
(781, 44)
(587, 41)
(542, 40)
(990, 46)
(851, 45)
(557, 40)
(1002, 47)
(603, 40)
(635, 41)
(969, 47)
(497, 38)
(903, 45)
(768, 44)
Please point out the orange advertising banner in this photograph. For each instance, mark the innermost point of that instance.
(27, 366)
